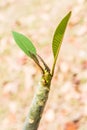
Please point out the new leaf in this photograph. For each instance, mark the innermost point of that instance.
(24, 43)
(58, 37)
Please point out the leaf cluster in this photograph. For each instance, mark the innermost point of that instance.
(29, 49)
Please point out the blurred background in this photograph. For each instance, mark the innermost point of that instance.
(66, 108)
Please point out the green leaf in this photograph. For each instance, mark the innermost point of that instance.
(58, 37)
(24, 43)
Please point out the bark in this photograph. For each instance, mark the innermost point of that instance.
(38, 103)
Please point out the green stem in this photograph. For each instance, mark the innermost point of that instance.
(38, 104)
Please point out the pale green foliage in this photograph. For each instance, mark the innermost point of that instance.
(24, 43)
(58, 37)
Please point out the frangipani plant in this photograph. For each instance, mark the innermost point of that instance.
(41, 96)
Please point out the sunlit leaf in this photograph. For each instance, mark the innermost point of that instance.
(24, 43)
(58, 36)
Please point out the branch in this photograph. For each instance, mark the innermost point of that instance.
(38, 104)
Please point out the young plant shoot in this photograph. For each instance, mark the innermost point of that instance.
(37, 106)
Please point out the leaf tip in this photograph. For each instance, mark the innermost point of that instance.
(69, 14)
(14, 33)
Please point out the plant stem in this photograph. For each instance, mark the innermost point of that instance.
(39, 101)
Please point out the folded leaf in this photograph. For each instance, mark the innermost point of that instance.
(24, 43)
(34, 57)
(58, 37)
